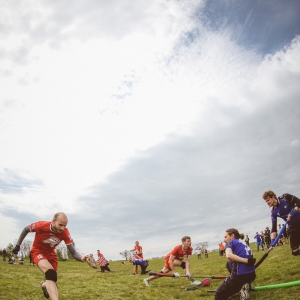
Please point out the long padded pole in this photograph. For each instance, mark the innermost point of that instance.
(272, 245)
(171, 275)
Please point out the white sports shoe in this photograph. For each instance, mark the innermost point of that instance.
(245, 292)
(195, 282)
(146, 281)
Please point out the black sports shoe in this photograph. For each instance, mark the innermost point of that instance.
(46, 295)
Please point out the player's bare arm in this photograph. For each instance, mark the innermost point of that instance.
(187, 265)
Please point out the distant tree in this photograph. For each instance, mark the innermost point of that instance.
(201, 246)
(62, 251)
(9, 248)
(125, 254)
(25, 248)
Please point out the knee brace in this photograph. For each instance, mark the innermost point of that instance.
(182, 265)
(296, 253)
(51, 275)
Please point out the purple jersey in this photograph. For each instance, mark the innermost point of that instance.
(258, 238)
(240, 249)
(286, 203)
(140, 262)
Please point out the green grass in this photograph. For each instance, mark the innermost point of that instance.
(78, 281)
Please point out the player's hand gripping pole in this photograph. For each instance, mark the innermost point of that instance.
(172, 275)
(273, 244)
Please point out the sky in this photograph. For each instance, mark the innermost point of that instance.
(147, 120)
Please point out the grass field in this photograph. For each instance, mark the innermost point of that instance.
(79, 281)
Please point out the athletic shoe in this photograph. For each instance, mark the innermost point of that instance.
(146, 281)
(245, 292)
(46, 295)
(195, 282)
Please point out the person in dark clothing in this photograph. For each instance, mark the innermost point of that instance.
(286, 207)
(4, 254)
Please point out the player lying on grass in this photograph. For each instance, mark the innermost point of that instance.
(47, 236)
(242, 267)
(139, 262)
(175, 259)
(287, 208)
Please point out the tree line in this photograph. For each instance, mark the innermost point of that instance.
(200, 246)
(61, 250)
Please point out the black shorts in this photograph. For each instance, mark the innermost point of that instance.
(232, 285)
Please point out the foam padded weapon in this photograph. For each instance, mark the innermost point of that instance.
(161, 274)
(279, 285)
(172, 275)
(273, 244)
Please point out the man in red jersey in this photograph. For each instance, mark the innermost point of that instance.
(175, 258)
(47, 236)
(138, 254)
(138, 250)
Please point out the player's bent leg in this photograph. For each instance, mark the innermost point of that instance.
(165, 270)
(51, 278)
(45, 292)
(147, 280)
(51, 275)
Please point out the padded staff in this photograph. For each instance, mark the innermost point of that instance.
(273, 244)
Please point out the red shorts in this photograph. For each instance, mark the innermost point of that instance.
(37, 256)
(167, 266)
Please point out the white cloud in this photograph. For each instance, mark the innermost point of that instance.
(106, 102)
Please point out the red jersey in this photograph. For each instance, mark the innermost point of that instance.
(179, 253)
(45, 239)
(138, 252)
(101, 260)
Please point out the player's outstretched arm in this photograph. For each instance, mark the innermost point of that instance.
(76, 255)
(21, 238)
(187, 267)
(86, 258)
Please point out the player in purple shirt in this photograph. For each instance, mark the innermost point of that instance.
(242, 270)
(139, 262)
(287, 208)
(259, 241)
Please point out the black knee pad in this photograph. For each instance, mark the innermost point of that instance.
(51, 275)
(182, 265)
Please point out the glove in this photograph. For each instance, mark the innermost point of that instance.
(251, 261)
(16, 249)
(176, 274)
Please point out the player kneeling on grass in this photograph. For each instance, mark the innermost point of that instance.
(242, 267)
(175, 259)
(139, 262)
(47, 236)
